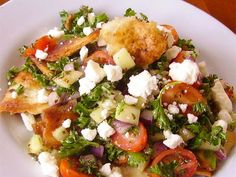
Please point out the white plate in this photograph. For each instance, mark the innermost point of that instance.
(22, 21)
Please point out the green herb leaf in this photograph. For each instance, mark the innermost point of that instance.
(129, 12)
(59, 65)
(143, 16)
(163, 169)
(136, 158)
(12, 72)
(20, 89)
(200, 107)
(75, 145)
(186, 44)
(102, 18)
(113, 152)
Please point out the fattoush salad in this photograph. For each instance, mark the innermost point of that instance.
(121, 97)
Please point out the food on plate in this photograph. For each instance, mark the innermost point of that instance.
(122, 97)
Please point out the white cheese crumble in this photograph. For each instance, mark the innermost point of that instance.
(170, 116)
(192, 118)
(91, 17)
(99, 25)
(87, 30)
(173, 109)
(222, 124)
(116, 172)
(48, 164)
(55, 32)
(66, 123)
(42, 96)
(41, 54)
(28, 120)
(130, 100)
(187, 71)
(113, 72)
(106, 169)
(89, 134)
(14, 94)
(142, 84)
(80, 21)
(172, 52)
(172, 140)
(94, 72)
(83, 53)
(105, 130)
(224, 115)
(86, 86)
(183, 107)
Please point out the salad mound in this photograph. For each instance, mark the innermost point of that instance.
(125, 97)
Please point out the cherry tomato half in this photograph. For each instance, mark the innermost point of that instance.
(133, 142)
(185, 159)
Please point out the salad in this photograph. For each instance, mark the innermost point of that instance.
(122, 97)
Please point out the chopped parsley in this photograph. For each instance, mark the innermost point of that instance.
(59, 65)
(20, 89)
(130, 12)
(12, 72)
(113, 152)
(136, 158)
(75, 145)
(186, 44)
(164, 169)
(200, 107)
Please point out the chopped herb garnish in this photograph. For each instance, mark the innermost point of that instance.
(186, 44)
(59, 65)
(113, 152)
(143, 16)
(200, 107)
(129, 12)
(136, 158)
(74, 145)
(102, 18)
(164, 170)
(20, 89)
(12, 72)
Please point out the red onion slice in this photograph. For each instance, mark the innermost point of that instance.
(121, 127)
(98, 151)
(147, 117)
(69, 67)
(52, 98)
(159, 147)
(220, 154)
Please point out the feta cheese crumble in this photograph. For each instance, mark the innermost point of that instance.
(142, 84)
(48, 164)
(106, 169)
(66, 123)
(42, 96)
(192, 118)
(55, 32)
(41, 54)
(130, 100)
(83, 53)
(85, 86)
(173, 109)
(105, 130)
(183, 107)
(89, 134)
(14, 94)
(99, 25)
(187, 71)
(172, 140)
(104, 113)
(91, 17)
(113, 72)
(87, 30)
(172, 52)
(94, 72)
(28, 120)
(222, 124)
(80, 21)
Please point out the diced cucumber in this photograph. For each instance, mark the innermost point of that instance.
(127, 113)
(67, 78)
(124, 59)
(60, 133)
(35, 145)
(208, 146)
(96, 115)
(141, 102)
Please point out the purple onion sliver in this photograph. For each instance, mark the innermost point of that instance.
(98, 151)
(69, 67)
(159, 147)
(220, 154)
(147, 117)
(121, 127)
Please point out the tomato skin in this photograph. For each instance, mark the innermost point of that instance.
(67, 170)
(191, 166)
(173, 32)
(182, 93)
(135, 143)
(183, 55)
(101, 57)
(44, 43)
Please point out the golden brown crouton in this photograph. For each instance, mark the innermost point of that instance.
(25, 102)
(140, 38)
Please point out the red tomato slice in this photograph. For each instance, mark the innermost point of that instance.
(182, 56)
(68, 169)
(131, 143)
(186, 160)
(173, 32)
(101, 57)
(182, 93)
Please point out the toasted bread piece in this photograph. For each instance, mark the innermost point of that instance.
(52, 118)
(42, 66)
(140, 38)
(25, 102)
(71, 46)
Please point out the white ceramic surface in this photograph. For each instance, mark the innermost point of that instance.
(22, 21)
